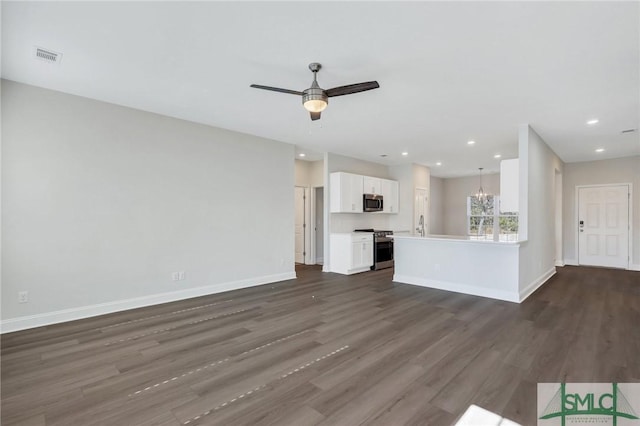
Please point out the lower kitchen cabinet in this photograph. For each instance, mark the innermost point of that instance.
(351, 252)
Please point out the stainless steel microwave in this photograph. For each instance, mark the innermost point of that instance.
(372, 203)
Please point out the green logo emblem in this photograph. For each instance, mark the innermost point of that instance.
(613, 404)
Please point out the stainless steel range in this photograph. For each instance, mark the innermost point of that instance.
(382, 248)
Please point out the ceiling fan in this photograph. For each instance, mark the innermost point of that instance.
(315, 98)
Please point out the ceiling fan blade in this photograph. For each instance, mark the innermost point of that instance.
(277, 89)
(315, 116)
(352, 88)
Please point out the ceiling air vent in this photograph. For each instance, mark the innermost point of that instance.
(47, 55)
(628, 131)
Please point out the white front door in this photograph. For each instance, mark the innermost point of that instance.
(603, 226)
(300, 205)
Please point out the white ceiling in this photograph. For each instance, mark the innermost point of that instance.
(449, 72)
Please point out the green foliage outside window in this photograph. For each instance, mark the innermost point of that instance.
(482, 215)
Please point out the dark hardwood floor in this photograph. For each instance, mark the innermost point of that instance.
(325, 349)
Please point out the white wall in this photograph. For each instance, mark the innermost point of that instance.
(301, 169)
(538, 166)
(409, 177)
(421, 176)
(316, 173)
(309, 173)
(456, 191)
(402, 221)
(341, 163)
(102, 203)
(436, 206)
(620, 170)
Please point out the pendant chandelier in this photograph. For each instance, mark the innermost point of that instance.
(481, 195)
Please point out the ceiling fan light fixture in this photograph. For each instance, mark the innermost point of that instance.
(314, 100)
(315, 105)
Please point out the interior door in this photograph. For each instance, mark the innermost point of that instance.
(300, 206)
(603, 226)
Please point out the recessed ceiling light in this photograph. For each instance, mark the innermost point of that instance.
(438, 164)
(471, 142)
(405, 153)
(302, 155)
(592, 122)
(497, 156)
(600, 150)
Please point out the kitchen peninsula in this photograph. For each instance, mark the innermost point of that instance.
(459, 264)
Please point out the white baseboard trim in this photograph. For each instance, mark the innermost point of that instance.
(319, 260)
(574, 262)
(536, 284)
(72, 314)
(459, 288)
(560, 263)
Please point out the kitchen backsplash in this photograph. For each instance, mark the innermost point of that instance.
(347, 222)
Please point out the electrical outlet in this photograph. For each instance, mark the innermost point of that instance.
(23, 297)
(181, 275)
(175, 276)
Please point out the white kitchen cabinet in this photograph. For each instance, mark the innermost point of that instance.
(371, 185)
(351, 252)
(390, 196)
(509, 185)
(362, 255)
(345, 192)
(347, 189)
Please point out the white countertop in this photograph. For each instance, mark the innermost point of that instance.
(351, 233)
(453, 238)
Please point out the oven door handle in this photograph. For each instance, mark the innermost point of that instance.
(383, 240)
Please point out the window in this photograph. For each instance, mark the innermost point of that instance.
(486, 222)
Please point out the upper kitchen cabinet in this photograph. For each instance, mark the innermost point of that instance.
(345, 192)
(372, 185)
(390, 196)
(509, 185)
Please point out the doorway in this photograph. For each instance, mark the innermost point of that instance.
(301, 209)
(318, 221)
(603, 225)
